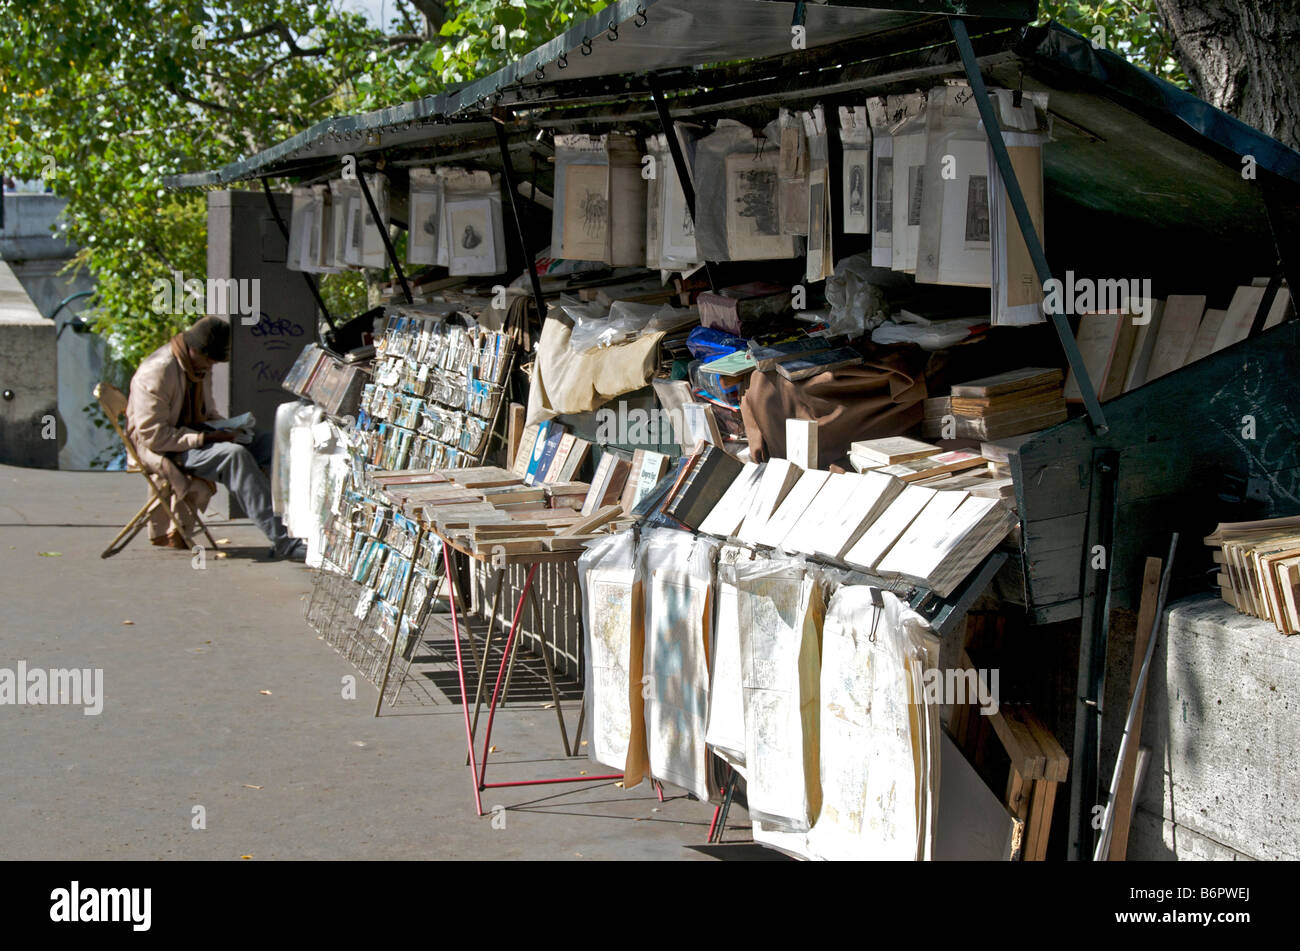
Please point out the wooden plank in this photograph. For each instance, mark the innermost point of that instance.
(514, 432)
(586, 526)
(1128, 768)
(1040, 820)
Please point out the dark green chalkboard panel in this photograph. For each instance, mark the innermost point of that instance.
(1177, 437)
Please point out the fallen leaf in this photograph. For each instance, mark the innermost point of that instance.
(221, 554)
(619, 784)
(548, 706)
(583, 743)
(492, 749)
(50, 554)
(128, 622)
(245, 856)
(265, 692)
(223, 541)
(247, 786)
(582, 772)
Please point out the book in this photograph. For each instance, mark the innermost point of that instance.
(607, 483)
(1206, 334)
(699, 423)
(560, 458)
(881, 535)
(725, 517)
(736, 363)
(548, 441)
(709, 478)
(1241, 314)
(891, 449)
(576, 456)
(869, 495)
(1013, 381)
(1259, 565)
(1106, 343)
(802, 367)
(742, 309)
(929, 466)
(947, 540)
(767, 357)
(779, 477)
(1178, 330)
(524, 454)
(792, 509)
(645, 472)
(649, 507)
(1144, 347)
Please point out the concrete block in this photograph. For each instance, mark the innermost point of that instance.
(1221, 724)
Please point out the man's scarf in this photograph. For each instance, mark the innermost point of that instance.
(194, 412)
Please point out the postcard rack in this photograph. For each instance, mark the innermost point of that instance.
(374, 590)
(436, 394)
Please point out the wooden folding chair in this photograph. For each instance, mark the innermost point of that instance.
(113, 402)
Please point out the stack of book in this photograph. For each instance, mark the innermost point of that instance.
(549, 453)
(1008, 404)
(873, 453)
(1259, 569)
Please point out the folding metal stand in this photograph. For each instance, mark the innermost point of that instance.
(477, 767)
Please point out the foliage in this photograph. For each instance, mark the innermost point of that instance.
(112, 95)
(1132, 28)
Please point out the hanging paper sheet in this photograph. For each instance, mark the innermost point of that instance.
(676, 573)
(606, 575)
(879, 768)
(780, 608)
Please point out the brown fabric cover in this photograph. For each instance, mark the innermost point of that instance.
(883, 397)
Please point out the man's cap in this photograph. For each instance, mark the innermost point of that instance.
(210, 336)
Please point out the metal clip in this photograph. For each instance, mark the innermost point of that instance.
(540, 73)
(586, 46)
(611, 34)
(641, 17)
(563, 61)
(877, 602)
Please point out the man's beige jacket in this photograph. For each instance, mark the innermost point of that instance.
(152, 412)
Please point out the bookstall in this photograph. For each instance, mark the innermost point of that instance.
(767, 364)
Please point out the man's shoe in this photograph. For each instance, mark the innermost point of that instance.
(174, 540)
(296, 550)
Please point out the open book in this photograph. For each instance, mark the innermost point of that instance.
(243, 426)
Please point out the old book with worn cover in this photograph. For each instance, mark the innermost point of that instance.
(708, 480)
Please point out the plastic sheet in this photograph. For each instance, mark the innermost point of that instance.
(737, 213)
(855, 192)
(726, 727)
(427, 242)
(606, 574)
(857, 305)
(879, 737)
(675, 570)
(780, 608)
(954, 238)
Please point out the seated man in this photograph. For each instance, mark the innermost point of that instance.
(166, 418)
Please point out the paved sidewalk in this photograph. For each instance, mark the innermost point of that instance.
(216, 694)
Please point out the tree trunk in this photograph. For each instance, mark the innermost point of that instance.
(1241, 56)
